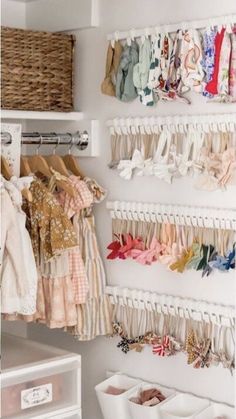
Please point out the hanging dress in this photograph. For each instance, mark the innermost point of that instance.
(53, 238)
(93, 317)
(18, 270)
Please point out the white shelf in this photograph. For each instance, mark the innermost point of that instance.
(34, 115)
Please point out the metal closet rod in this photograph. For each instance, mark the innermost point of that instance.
(48, 138)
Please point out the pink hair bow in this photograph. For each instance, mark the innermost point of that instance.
(131, 245)
(123, 246)
(146, 257)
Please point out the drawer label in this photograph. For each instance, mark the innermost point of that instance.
(36, 396)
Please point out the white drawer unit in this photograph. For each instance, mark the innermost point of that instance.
(68, 415)
(39, 381)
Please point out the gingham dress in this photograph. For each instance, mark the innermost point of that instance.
(93, 317)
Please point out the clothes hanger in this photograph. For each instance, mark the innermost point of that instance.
(5, 168)
(72, 163)
(24, 166)
(7, 174)
(56, 162)
(62, 182)
(37, 163)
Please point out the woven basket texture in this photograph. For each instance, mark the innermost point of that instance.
(36, 70)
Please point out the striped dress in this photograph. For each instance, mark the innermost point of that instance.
(94, 316)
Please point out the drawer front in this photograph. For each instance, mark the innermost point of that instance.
(41, 392)
(70, 415)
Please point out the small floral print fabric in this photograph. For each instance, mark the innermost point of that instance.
(223, 75)
(232, 69)
(209, 56)
(50, 229)
(191, 57)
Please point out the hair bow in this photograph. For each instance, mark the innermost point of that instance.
(198, 351)
(227, 363)
(131, 244)
(117, 329)
(150, 255)
(128, 166)
(127, 345)
(224, 263)
(163, 348)
(115, 249)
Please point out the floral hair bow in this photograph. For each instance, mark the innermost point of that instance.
(127, 345)
(217, 358)
(198, 351)
(117, 329)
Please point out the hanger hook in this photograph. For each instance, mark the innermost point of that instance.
(40, 144)
(57, 144)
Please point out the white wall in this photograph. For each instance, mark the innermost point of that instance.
(101, 355)
(13, 13)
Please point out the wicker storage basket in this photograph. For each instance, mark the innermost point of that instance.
(37, 70)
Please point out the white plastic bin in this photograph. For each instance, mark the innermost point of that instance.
(115, 407)
(38, 380)
(183, 406)
(217, 409)
(148, 412)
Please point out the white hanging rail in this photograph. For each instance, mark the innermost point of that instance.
(220, 21)
(206, 123)
(174, 214)
(168, 304)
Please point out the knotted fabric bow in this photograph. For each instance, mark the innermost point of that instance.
(128, 166)
(198, 351)
(150, 255)
(162, 349)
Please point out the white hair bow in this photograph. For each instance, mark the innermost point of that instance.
(128, 166)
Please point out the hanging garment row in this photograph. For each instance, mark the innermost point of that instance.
(169, 326)
(52, 271)
(146, 236)
(173, 147)
(166, 66)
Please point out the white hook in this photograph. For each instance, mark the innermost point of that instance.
(115, 39)
(145, 35)
(131, 37)
(132, 34)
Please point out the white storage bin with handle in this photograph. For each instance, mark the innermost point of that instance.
(115, 406)
(38, 381)
(138, 411)
(183, 406)
(217, 410)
